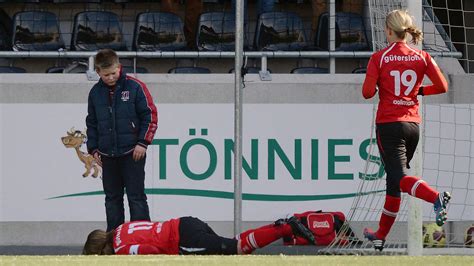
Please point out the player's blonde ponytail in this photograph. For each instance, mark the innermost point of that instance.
(416, 34)
(401, 23)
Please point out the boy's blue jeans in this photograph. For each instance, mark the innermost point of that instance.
(119, 173)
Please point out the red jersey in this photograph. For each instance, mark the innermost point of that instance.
(142, 237)
(398, 71)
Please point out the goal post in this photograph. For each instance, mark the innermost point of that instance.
(415, 216)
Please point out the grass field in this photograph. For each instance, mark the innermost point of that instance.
(237, 260)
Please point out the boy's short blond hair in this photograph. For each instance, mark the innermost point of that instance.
(106, 58)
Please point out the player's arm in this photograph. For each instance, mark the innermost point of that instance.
(91, 123)
(440, 85)
(369, 88)
(139, 249)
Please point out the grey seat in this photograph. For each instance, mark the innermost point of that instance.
(189, 70)
(36, 31)
(95, 30)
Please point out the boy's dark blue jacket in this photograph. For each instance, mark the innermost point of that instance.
(115, 127)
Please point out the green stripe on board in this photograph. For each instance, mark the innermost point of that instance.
(229, 195)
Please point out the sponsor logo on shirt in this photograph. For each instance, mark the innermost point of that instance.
(403, 102)
(117, 236)
(323, 224)
(401, 58)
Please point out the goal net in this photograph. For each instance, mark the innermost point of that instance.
(447, 151)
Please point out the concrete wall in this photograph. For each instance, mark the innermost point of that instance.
(216, 88)
(203, 89)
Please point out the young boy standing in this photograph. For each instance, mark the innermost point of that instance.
(121, 122)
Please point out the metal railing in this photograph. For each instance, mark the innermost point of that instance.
(263, 55)
(197, 54)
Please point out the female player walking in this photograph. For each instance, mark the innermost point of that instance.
(398, 72)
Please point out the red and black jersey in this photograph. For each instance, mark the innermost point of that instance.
(398, 71)
(143, 237)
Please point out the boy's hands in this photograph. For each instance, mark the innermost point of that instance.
(138, 153)
(97, 158)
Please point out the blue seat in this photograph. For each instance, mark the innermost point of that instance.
(77, 1)
(158, 31)
(94, 30)
(129, 69)
(76, 67)
(5, 40)
(82, 68)
(216, 32)
(55, 70)
(251, 70)
(280, 31)
(189, 70)
(359, 70)
(309, 70)
(5, 31)
(10, 69)
(350, 32)
(36, 31)
(23, 1)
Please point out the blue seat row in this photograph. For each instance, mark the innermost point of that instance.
(160, 31)
(60, 1)
(82, 68)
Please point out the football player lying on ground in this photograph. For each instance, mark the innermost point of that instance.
(187, 235)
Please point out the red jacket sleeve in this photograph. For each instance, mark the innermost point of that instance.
(370, 83)
(440, 85)
(142, 249)
(148, 115)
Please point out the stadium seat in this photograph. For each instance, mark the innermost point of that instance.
(359, 70)
(158, 31)
(55, 70)
(10, 69)
(81, 67)
(77, 1)
(94, 30)
(36, 31)
(309, 70)
(189, 70)
(76, 67)
(350, 32)
(216, 32)
(5, 31)
(251, 70)
(129, 69)
(23, 1)
(280, 31)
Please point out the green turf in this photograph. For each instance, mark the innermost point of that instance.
(237, 260)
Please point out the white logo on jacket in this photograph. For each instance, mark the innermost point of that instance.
(125, 96)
